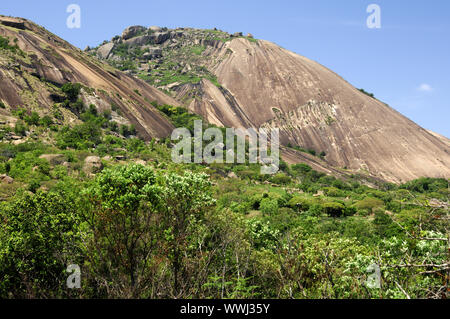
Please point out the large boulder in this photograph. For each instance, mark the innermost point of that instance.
(104, 51)
(138, 41)
(5, 179)
(132, 31)
(160, 37)
(155, 28)
(153, 52)
(92, 165)
(53, 159)
(232, 175)
(177, 34)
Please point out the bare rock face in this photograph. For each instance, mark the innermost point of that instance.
(153, 52)
(92, 165)
(160, 37)
(255, 83)
(264, 85)
(138, 41)
(50, 59)
(104, 50)
(132, 31)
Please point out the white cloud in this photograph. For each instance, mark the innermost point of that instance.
(424, 87)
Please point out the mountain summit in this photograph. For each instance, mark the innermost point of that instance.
(230, 80)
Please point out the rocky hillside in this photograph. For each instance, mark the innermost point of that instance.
(35, 64)
(238, 81)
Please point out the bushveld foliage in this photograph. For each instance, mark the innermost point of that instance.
(170, 231)
(166, 230)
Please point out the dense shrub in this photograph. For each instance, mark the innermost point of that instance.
(71, 90)
(334, 209)
(369, 204)
(81, 136)
(40, 236)
(269, 206)
(20, 128)
(300, 203)
(281, 179)
(33, 119)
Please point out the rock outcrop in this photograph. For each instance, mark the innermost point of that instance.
(53, 159)
(92, 165)
(5, 179)
(104, 50)
(132, 31)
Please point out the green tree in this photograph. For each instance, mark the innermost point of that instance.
(40, 236)
(186, 197)
(72, 90)
(124, 202)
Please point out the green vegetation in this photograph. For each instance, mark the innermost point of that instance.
(198, 50)
(134, 220)
(164, 230)
(312, 152)
(182, 65)
(367, 93)
(179, 116)
(4, 45)
(20, 128)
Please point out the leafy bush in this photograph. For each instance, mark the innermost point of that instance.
(301, 168)
(300, 203)
(333, 192)
(127, 131)
(40, 235)
(46, 121)
(33, 119)
(269, 206)
(20, 128)
(4, 44)
(71, 90)
(425, 184)
(281, 179)
(81, 136)
(334, 209)
(367, 93)
(369, 203)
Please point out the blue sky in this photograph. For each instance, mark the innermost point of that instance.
(406, 63)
